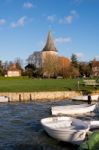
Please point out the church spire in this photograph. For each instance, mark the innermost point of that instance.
(49, 44)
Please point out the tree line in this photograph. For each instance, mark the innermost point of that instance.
(51, 66)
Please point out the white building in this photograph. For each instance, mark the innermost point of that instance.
(13, 71)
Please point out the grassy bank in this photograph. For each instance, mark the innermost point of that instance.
(30, 85)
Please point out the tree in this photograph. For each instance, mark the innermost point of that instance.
(50, 65)
(85, 69)
(19, 63)
(74, 72)
(70, 72)
(1, 69)
(74, 60)
(35, 59)
(32, 71)
(63, 66)
(29, 70)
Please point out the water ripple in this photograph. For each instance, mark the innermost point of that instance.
(20, 127)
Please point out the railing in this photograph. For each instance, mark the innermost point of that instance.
(90, 82)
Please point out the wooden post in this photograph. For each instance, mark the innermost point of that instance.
(20, 98)
(30, 97)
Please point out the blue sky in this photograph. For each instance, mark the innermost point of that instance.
(24, 26)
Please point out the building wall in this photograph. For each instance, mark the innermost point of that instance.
(13, 73)
(95, 67)
(46, 54)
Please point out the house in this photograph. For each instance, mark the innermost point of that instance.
(13, 71)
(95, 67)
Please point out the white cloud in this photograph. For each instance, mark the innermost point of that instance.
(80, 56)
(19, 23)
(97, 57)
(70, 18)
(28, 5)
(2, 21)
(63, 40)
(74, 13)
(51, 18)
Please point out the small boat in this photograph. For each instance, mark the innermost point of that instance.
(4, 99)
(66, 129)
(85, 98)
(72, 109)
(94, 124)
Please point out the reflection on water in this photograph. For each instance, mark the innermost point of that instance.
(20, 127)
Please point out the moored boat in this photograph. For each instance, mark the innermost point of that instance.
(66, 129)
(4, 99)
(72, 109)
(94, 124)
(85, 98)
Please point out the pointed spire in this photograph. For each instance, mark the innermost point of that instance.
(49, 44)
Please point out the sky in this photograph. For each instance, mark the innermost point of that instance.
(24, 26)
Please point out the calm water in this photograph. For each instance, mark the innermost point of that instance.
(20, 127)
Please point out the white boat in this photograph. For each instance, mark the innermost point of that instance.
(66, 129)
(72, 109)
(4, 99)
(85, 98)
(94, 124)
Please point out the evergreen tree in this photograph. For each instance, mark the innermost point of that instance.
(74, 60)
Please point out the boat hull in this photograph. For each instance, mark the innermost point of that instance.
(85, 98)
(63, 130)
(4, 99)
(72, 109)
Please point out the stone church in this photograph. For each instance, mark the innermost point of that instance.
(38, 57)
(48, 59)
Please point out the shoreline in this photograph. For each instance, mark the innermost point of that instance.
(41, 96)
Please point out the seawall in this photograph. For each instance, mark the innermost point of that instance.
(41, 96)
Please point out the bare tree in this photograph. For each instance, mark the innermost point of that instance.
(50, 65)
(35, 59)
(19, 63)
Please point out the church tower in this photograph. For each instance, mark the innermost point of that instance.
(49, 47)
(49, 57)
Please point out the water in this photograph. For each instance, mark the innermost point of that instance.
(20, 127)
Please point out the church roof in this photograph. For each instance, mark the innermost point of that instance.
(49, 46)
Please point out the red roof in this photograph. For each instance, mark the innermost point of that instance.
(13, 67)
(95, 63)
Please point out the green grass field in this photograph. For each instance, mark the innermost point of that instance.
(23, 84)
